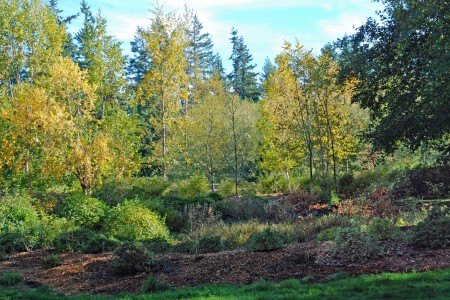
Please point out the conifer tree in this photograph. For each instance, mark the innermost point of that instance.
(242, 78)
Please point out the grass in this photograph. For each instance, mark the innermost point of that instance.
(426, 285)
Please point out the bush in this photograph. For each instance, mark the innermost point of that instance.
(307, 230)
(52, 227)
(154, 285)
(227, 188)
(210, 244)
(131, 258)
(241, 209)
(382, 228)
(84, 240)
(82, 210)
(434, 231)
(11, 279)
(267, 240)
(52, 260)
(19, 219)
(354, 245)
(187, 247)
(328, 234)
(115, 191)
(130, 220)
(192, 187)
(11, 242)
(157, 245)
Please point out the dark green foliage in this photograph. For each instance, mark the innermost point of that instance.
(157, 245)
(354, 245)
(210, 244)
(241, 209)
(154, 285)
(82, 210)
(426, 183)
(52, 260)
(11, 279)
(242, 78)
(402, 67)
(187, 247)
(84, 240)
(266, 240)
(434, 231)
(382, 228)
(328, 234)
(114, 191)
(11, 242)
(131, 258)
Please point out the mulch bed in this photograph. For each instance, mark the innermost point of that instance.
(90, 273)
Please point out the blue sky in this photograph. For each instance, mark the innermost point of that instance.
(265, 24)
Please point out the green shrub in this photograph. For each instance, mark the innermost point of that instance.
(328, 234)
(132, 221)
(267, 240)
(354, 245)
(52, 227)
(382, 228)
(210, 244)
(114, 191)
(11, 242)
(52, 261)
(11, 279)
(434, 231)
(154, 285)
(227, 188)
(189, 188)
(131, 258)
(84, 240)
(307, 279)
(82, 210)
(20, 219)
(241, 209)
(157, 245)
(187, 247)
(307, 230)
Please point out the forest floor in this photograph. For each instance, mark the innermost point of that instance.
(90, 273)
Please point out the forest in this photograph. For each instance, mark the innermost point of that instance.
(159, 171)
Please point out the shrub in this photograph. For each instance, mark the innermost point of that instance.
(157, 245)
(227, 188)
(52, 260)
(210, 244)
(307, 230)
(354, 245)
(20, 219)
(114, 191)
(130, 220)
(328, 234)
(265, 241)
(11, 242)
(434, 231)
(241, 209)
(131, 258)
(337, 276)
(82, 210)
(154, 285)
(196, 185)
(186, 246)
(301, 200)
(84, 240)
(382, 228)
(290, 284)
(52, 227)
(11, 279)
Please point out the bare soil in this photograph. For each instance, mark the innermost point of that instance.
(90, 273)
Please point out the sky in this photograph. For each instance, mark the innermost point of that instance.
(264, 24)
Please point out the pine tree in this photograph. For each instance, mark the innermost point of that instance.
(101, 55)
(242, 78)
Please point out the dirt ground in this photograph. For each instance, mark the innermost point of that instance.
(90, 273)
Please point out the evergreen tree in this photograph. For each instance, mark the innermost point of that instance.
(139, 63)
(101, 55)
(242, 78)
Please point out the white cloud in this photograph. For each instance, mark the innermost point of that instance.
(343, 24)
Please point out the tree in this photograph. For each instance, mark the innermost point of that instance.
(402, 64)
(242, 78)
(30, 39)
(101, 55)
(164, 87)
